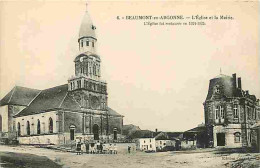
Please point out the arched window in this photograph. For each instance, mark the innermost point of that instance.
(237, 137)
(28, 128)
(19, 129)
(38, 127)
(50, 125)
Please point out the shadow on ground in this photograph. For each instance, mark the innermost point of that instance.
(19, 160)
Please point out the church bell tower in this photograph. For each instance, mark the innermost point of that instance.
(87, 77)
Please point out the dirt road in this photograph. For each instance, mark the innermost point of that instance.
(204, 158)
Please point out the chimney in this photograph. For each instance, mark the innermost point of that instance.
(156, 130)
(247, 92)
(234, 80)
(239, 83)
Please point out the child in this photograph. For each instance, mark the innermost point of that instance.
(78, 148)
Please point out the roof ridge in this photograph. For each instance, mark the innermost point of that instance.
(34, 98)
(12, 94)
(63, 100)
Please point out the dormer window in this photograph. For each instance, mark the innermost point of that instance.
(217, 89)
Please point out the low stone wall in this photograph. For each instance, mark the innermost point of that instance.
(41, 139)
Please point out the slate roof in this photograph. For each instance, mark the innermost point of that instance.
(141, 134)
(51, 99)
(86, 27)
(197, 129)
(227, 85)
(113, 112)
(19, 96)
(169, 135)
(38, 101)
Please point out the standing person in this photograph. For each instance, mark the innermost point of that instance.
(78, 148)
(115, 149)
(98, 147)
(92, 148)
(87, 147)
(83, 148)
(104, 148)
(101, 148)
(129, 149)
(110, 149)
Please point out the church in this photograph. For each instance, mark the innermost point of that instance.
(62, 114)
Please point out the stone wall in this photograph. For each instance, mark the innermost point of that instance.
(41, 139)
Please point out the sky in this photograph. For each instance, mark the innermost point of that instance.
(157, 76)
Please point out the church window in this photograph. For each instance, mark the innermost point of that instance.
(19, 129)
(28, 128)
(87, 43)
(94, 69)
(235, 111)
(38, 127)
(81, 70)
(254, 111)
(248, 113)
(85, 84)
(50, 125)
(221, 111)
(217, 112)
(237, 137)
(79, 84)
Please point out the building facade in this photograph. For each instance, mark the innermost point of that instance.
(230, 112)
(146, 144)
(61, 114)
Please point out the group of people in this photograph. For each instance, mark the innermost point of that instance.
(96, 148)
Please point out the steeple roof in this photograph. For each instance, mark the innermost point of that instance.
(87, 29)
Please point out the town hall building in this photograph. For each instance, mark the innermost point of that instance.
(61, 114)
(232, 115)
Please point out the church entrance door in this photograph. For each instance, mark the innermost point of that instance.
(96, 131)
(115, 133)
(72, 132)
